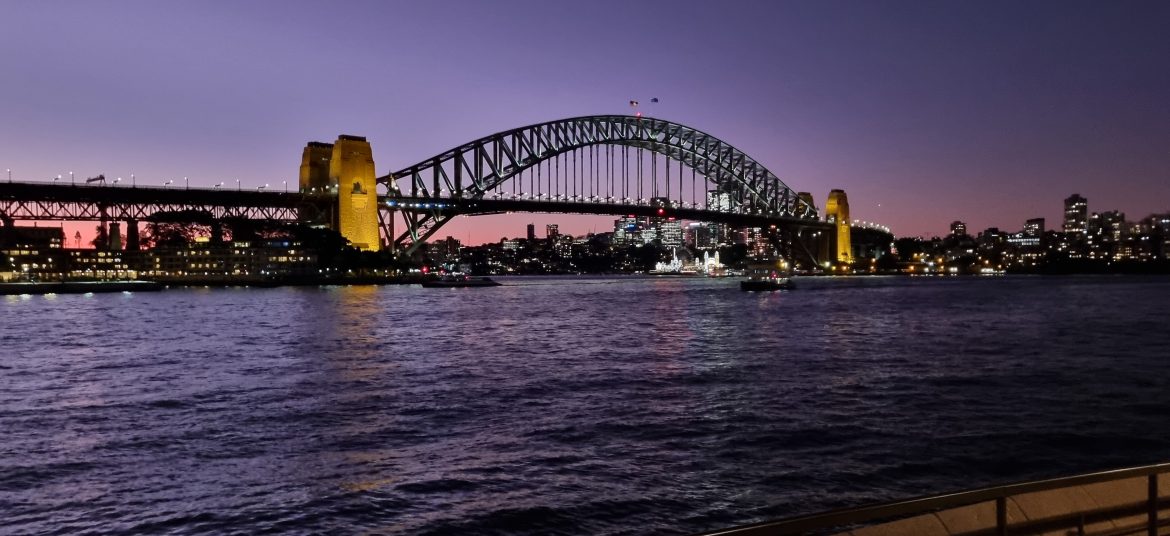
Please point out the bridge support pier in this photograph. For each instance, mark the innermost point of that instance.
(132, 235)
(386, 219)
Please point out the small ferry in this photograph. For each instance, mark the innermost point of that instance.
(767, 277)
(460, 281)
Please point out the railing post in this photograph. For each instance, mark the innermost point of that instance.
(1152, 505)
(1001, 516)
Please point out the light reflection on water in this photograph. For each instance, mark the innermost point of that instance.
(559, 405)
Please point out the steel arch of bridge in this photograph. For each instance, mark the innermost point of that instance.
(476, 168)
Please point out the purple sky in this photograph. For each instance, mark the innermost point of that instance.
(926, 112)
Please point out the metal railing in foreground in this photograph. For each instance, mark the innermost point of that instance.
(1075, 522)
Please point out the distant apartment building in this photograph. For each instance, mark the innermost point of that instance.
(1076, 214)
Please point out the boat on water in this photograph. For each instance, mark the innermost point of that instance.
(460, 281)
(767, 277)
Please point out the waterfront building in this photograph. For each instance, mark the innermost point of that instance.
(99, 264)
(531, 232)
(711, 265)
(958, 229)
(12, 236)
(207, 260)
(551, 232)
(31, 252)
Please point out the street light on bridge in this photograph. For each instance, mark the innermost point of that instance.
(186, 185)
(237, 185)
(168, 183)
(259, 188)
(285, 183)
(117, 180)
(218, 185)
(56, 179)
(10, 175)
(71, 181)
(133, 183)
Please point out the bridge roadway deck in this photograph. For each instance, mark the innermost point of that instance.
(78, 202)
(456, 206)
(87, 202)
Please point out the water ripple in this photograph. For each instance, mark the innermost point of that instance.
(562, 405)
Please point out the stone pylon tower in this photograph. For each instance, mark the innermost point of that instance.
(345, 169)
(315, 167)
(315, 180)
(351, 168)
(837, 212)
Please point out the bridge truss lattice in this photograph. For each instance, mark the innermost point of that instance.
(594, 164)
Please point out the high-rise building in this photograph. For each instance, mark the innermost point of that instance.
(531, 232)
(958, 228)
(627, 230)
(670, 233)
(756, 240)
(1034, 228)
(663, 228)
(837, 213)
(552, 231)
(1076, 214)
(702, 235)
(719, 201)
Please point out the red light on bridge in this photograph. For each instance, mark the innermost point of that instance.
(661, 211)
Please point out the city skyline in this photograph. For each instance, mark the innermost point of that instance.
(989, 114)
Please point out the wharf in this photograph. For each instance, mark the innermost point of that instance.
(77, 287)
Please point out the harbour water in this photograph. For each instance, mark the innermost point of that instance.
(563, 405)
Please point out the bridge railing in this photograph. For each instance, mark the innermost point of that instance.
(1104, 503)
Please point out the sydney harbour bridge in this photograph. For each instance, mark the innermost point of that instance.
(607, 165)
